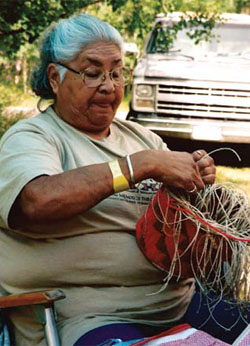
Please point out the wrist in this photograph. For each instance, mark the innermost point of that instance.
(144, 164)
(120, 182)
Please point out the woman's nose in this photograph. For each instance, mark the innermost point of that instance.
(107, 83)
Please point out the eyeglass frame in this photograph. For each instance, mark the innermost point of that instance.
(82, 74)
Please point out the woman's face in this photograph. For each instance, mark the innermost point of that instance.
(91, 110)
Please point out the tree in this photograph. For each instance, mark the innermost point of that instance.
(240, 4)
(133, 18)
(23, 21)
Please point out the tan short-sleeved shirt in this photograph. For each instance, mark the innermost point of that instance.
(93, 257)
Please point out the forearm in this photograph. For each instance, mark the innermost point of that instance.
(61, 196)
(58, 197)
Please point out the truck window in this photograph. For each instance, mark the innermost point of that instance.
(229, 39)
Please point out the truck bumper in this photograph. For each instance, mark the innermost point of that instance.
(225, 131)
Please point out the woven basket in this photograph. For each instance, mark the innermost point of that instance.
(170, 240)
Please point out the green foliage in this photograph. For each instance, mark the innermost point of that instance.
(7, 121)
(240, 4)
(134, 18)
(23, 21)
(116, 4)
(10, 93)
(201, 26)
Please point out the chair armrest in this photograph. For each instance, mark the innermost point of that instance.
(31, 298)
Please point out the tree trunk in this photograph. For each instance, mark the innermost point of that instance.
(25, 75)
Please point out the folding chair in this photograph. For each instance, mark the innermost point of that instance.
(43, 304)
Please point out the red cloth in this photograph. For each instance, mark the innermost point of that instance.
(198, 338)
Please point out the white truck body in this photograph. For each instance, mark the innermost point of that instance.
(197, 92)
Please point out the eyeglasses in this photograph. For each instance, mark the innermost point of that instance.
(93, 77)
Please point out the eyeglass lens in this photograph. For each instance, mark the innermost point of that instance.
(119, 76)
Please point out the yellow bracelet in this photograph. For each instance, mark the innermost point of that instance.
(120, 182)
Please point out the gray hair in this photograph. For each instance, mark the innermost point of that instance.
(63, 41)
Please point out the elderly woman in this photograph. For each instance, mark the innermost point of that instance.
(69, 204)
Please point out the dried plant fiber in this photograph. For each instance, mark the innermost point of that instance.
(204, 235)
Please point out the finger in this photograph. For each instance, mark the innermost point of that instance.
(206, 163)
(199, 184)
(195, 184)
(208, 171)
(208, 179)
(199, 154)
(208, 175)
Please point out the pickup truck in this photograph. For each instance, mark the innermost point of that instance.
(197, 92)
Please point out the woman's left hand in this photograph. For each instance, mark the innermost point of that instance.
(206, 166)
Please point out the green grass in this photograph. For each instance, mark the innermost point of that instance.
(240, 177)
(29, 102)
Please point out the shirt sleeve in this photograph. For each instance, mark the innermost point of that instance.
(24, 155)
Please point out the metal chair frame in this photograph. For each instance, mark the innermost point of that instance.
(43, 303)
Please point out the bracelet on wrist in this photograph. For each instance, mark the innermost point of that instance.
(131, 171)
(120, 182)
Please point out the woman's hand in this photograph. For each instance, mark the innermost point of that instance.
(206, 166)
(179, 169)
(172, 168)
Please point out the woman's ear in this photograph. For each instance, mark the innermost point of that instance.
(53, 77)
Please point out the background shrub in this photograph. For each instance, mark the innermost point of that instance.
(6, 121)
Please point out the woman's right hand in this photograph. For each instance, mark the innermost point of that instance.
(174, 168)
